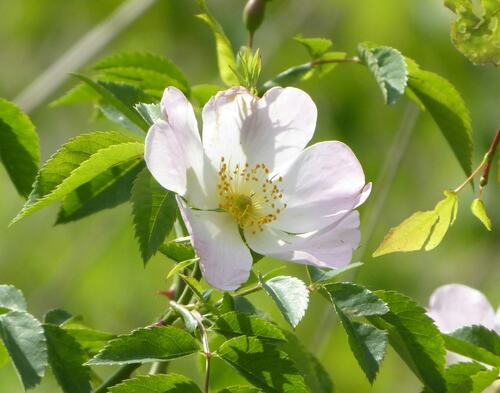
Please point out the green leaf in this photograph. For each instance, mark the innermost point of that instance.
(316, 47)
(190, 321)
(178, 250)
(149, 112)
(19, 147)
(290, 77)
(11, 299)
(326, 275)
(66, 359)
(79, 93)
(194, 285)
(154, 211)
(478, 209)
(414, 337)
(447, 108)
(315, 376)
(238, 324)
(114, 108)
(475, 32)
(262, 364)
(422, 228)
(76, 163)
(57, 317)
(92, 341)
(105, 191)
(202, 93)
(355, 300)
(225, 55)
(368, 344)
(147, 345)
(240, 389)
(4, 355)
(171, 383)
(475, 342)
(23, 338)
(181, 266)
(290, 295)
(389, 69)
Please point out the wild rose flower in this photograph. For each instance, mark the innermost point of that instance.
(249, 182)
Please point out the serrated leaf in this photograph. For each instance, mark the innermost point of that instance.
(19, 147)
(56, 316)
(23, 338)
(154, 211)
(225, 55)
(194, 285)
(368, 344)
(421, 229)
(238, 324)
(475, 342)
(316, 47)
(290, 295)
(66, 359)
(475, 32)
(326, 275)
(200, 94)
(11, 299)
(149, 112)
(91, 340)
(447, 108)
(171, 383)
(414, 337)
(356, 300)
(478, 209)
(389, 69)
(147, 345)
(178, 249)
(315, 376)
(262, 364)
(469, 378)
(240, 389)
(105, 191)
(77, 162)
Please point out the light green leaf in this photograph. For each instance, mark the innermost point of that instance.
(225, 55)
(171, 383)
(76, 163)
(326, 275)
(11, 299)
(178, 250)
(322, 69)
(475, 32)
(478, 209)
(368, 344)
(23, 338)
(290, 295)
(414, 337)
(262, 364)
(200, 94)
(447, 108)
(92, 341)
(190, 321)
(79, 93)
(238, 324)
(19, 147)
(290, 77)
(240, 389)
(315, 376)
(154, 211)
(421, 229)
(316, 47)
(181, 266)
(147, 345)
(475, 342)
(194, 285)
(105, 191)
(355, 300)
(389, 69)
(4, 355)
(149, 112)
(66, 358)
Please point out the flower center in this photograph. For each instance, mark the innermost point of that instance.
(249, 195)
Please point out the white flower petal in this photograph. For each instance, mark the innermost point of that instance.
(224, 258)
(454, 306)
(320, 187)
(497, 321)
(330, 247)
(174, 153)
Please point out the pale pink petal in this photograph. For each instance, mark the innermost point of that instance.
(320, 187)
(497, 321)
(225, 260)
(330, 247)
(455, 305)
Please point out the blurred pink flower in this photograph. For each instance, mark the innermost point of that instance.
(250, 181)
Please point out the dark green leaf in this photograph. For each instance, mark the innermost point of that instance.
(23, 337)
(11, 299)
(262, 364)
(447, 108)
(171, 383)
(19, 147)
(238, 324)
(240, 389)
(178, 250)
(147, 345)
(389, 69)
(154, 211)
(57, 317)
(66, 359)
(326, 275)
(290, 295)
(356, 300)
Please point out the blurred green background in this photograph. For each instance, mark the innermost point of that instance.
(93, 267)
